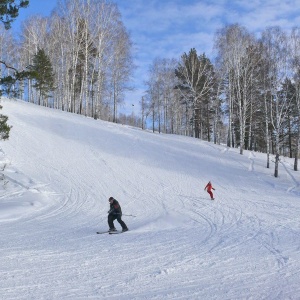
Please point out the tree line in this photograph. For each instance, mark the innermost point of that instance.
(80, 60)
(248, 97)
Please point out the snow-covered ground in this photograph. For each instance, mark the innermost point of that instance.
(61, 168)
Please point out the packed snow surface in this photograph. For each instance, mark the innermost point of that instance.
(58, 171)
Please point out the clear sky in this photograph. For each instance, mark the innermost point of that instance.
(168, 28)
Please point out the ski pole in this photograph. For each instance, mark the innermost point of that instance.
(129, 215)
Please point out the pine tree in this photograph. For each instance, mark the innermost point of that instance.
(4, 128)
(196, 81)
(9, 10)
(42, 74)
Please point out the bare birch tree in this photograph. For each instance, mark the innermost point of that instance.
(238, 58)
(275, 42)
(295, 66)
(86, 38)
(34, 36)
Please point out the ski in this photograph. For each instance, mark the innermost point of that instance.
(110, 232)
(117, 232)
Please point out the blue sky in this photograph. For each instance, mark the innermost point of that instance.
(168, 28)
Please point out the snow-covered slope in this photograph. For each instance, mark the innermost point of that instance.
(60, 170)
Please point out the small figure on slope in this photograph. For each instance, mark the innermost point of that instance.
(115, 212)
(209, 187)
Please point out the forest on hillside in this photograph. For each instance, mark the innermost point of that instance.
(80, 60)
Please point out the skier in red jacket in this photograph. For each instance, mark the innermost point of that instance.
(209, 188)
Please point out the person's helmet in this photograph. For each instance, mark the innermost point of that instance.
(111, 198)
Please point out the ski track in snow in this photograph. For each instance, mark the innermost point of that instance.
(60, 170)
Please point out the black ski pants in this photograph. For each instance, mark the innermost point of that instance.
(112, 217)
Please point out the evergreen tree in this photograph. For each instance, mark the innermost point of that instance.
(43, 76)
(4, 128)
(9, 10)
(196, 82)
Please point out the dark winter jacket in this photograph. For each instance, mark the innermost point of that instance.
(115, 208)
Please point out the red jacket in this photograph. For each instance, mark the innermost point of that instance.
(209, 187)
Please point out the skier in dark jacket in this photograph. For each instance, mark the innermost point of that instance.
(115, 212)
